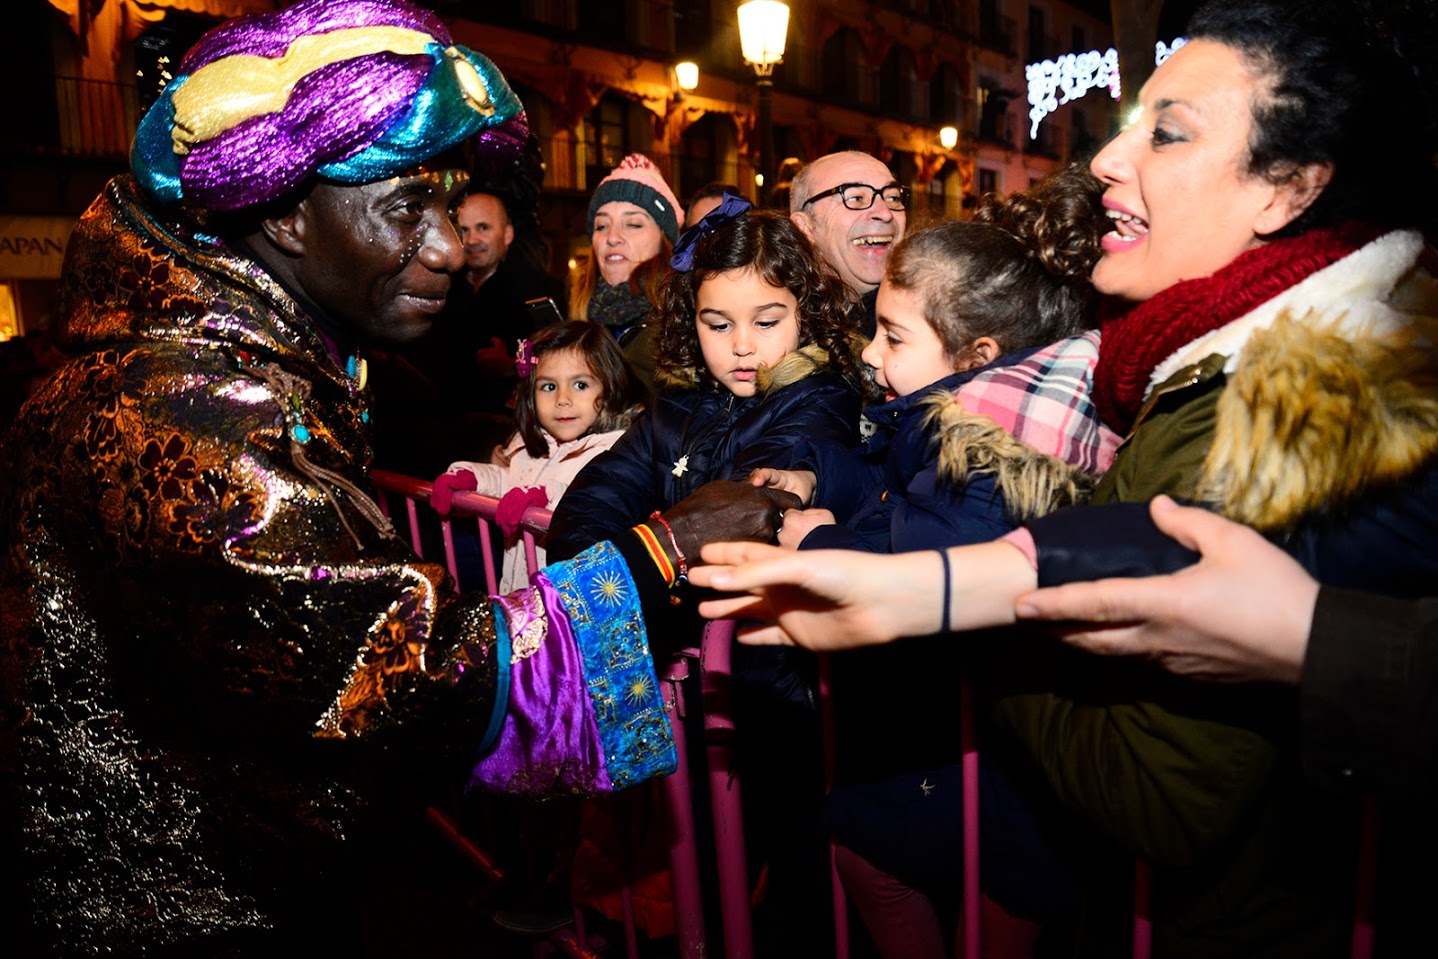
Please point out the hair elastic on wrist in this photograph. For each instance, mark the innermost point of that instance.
(683, 576)
(656, 552)
(948, 590)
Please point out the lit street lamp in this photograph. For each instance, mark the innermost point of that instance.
(763, 26)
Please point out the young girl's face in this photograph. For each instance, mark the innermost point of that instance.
(566, 395)
(744, 323)
(906, 353)
(624, 237)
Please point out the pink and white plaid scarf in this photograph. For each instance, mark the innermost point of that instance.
(1046, 402)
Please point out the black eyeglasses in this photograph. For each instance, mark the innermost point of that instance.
(860, 196)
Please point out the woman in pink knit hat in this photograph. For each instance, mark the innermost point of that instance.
(633, 222)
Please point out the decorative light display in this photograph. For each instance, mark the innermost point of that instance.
(1074, 75)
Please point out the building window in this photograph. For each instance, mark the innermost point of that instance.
(608, 20)
(605, 137)
(988, 181)
(993, 104)
(842, 55)
(897, 79)
(1038, 41)
(995, 29)
(946, 99)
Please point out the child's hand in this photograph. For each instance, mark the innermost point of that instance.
(799, 482)
(446, 485)
(799, 523)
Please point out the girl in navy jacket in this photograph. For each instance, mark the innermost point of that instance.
(756, 367)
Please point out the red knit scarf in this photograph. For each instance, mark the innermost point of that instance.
(1135, 344)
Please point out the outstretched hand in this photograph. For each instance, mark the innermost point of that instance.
(839, 599)
(821, 599)
(1242, 613)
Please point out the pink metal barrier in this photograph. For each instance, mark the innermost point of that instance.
(713, 658)
(713, 655)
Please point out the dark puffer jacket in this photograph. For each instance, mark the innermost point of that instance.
(691, 437)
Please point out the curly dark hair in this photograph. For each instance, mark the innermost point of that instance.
(620, 390)
(1018, 272)
(1338, 92)
(768, 242)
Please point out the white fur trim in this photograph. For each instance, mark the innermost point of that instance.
(1348, 294)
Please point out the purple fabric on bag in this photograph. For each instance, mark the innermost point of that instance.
(549, 743)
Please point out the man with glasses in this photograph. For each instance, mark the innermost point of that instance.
(851, 207)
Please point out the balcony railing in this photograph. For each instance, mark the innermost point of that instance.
(94, 119)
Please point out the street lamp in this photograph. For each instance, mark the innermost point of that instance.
(763, 26)
(948, 137)
(686, 74)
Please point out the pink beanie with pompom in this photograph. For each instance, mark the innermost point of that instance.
(637, 180)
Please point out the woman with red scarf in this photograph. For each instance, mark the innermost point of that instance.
(1278, 366)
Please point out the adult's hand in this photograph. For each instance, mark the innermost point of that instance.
(1242, 613)
(839, 599)
(727, 510)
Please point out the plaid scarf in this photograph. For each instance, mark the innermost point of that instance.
(1045, 401)
(1136, 343)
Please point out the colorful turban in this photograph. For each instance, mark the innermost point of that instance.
(349, 90)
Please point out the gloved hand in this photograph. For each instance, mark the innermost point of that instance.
(512, 505)
(446, 485)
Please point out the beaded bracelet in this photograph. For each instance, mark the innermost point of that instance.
(683, 576)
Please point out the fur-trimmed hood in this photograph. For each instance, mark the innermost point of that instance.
(1032, 483)
(1331, 392)
(791, 368)
(1031, 425)
(805, 361)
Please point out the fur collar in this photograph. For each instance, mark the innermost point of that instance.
(793, 367)
(1353, 290)
(1325, 403)
(1032, 483)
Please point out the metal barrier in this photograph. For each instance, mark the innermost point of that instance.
(712, 655)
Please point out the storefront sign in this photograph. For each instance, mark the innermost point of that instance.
(33, 247)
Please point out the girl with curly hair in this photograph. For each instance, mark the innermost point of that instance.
(756, 366)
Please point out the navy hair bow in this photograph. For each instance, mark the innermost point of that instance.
(730, 206)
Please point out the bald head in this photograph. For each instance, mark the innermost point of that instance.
(854, 243)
